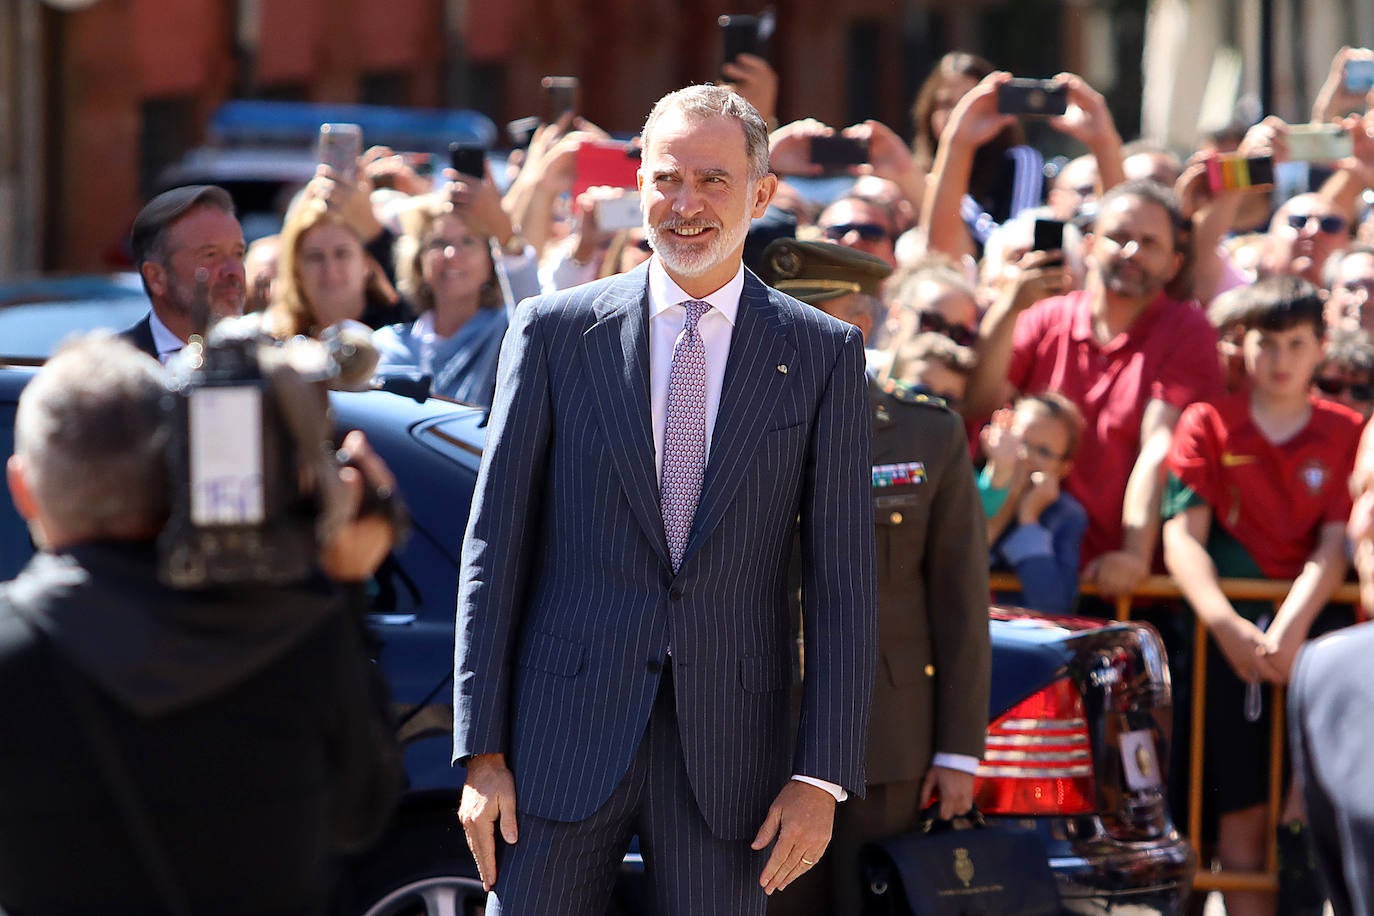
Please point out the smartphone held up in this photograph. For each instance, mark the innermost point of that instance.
(1033, 98)
(339, 147)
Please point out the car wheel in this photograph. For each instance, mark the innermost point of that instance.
(421, 868)
(442, 895)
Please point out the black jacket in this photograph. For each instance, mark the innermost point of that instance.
(247, 720)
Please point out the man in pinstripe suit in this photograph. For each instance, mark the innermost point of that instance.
(623, 651)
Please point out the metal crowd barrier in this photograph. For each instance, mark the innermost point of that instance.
(1274, 590)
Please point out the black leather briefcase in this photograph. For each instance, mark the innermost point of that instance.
(936, 870)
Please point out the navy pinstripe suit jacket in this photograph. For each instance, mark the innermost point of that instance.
(567, 598)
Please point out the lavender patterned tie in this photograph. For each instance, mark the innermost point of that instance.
(684, 434)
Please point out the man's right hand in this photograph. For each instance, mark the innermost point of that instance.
(488, 796)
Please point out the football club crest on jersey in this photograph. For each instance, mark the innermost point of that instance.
(1314, 475)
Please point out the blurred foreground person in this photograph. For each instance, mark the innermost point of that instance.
(182, 752)
(1331, 725)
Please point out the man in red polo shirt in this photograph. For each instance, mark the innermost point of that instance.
(1130, 357)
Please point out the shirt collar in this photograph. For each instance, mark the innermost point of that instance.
(164, 341)
(664, 292)
(1083, 320)
(424, 326)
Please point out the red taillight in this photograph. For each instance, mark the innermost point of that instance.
(1039, 759)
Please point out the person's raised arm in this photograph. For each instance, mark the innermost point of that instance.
(1089, 121)
(1333, 100)
(752, 77)
(974, 121)
(1118, 572)
(1355, 173)
(789, 147)
(1039, 275)
(890, 158)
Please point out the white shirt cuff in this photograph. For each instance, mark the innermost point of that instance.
(956, 762)
(837, 791)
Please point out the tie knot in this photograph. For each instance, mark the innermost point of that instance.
(695, 309)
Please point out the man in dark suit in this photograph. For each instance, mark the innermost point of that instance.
(930, 697)
(175, 236)
(624, 639)
(1331, 725)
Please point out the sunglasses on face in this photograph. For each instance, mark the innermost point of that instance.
(869, 232)
(1335, 387)
(1329, 224)
(934, 322)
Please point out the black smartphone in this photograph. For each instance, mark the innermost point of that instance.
(1048, 235)
(739, 35)
(838, 152)
(560, 96)
(1036, 98)
(468, 159)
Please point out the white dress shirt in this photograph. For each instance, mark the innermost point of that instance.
(167, 343)
(666, 319)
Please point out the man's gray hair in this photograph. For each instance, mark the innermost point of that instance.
(91, 434)
(706, 101)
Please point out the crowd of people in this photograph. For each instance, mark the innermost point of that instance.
(1104, 371)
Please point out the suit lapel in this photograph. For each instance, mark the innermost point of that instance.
(753, 382)
(617, 353)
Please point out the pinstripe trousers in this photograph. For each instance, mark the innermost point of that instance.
(569, 869)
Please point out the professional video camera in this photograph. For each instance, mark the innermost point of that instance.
(254, 467)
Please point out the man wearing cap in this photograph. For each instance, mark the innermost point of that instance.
(930, 698)
(178, 234)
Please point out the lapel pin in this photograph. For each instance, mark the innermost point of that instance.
(782, 367)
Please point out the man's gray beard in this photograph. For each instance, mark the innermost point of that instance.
(182, 298)
(697, 265)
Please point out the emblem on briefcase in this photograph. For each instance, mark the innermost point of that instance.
(963, 866)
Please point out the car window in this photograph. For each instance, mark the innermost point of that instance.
(32, 330)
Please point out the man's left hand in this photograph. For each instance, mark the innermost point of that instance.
(956, 790)
(800, 820)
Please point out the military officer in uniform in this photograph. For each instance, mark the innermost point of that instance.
(930, 701)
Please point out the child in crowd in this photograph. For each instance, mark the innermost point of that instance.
(1257, 489)
(1033, 527)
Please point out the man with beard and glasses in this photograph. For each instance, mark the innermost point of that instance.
(624, 651)
(1124, 351)
(178, 234)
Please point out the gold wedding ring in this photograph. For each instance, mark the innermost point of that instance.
(806, 861)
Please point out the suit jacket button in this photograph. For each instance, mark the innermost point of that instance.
(895, 518)
(930, 670)
(653, 666)
(675, 592)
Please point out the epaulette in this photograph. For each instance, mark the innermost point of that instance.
(909, 395)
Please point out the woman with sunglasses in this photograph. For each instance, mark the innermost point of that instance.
(931, 298)
(1346, 373)
(1304, 232)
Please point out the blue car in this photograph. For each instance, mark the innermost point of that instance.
(1080, 709)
